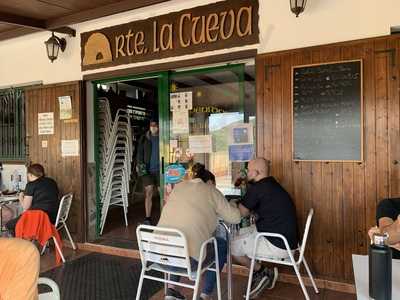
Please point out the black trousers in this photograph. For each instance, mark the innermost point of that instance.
(12, 224)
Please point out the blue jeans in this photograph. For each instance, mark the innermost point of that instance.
(210, 277)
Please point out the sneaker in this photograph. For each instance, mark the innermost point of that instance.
(173, 295)
(205, 296)
(273, 277)
(259, 282)
(147, 221)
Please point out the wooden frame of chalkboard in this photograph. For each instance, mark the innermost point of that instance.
(353, 88)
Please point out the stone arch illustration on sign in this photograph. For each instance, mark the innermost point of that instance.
(97, 50)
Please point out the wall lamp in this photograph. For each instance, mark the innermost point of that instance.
(297, 6)
(53, 46)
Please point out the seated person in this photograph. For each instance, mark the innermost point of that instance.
(388, 221)
(19, 269)
(275, 213)
(40, 193)
(198, 206)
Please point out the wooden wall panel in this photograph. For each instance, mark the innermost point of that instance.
(67, 171)
(343, 194)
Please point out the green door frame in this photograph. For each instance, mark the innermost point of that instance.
(164, 119)
(163, 110)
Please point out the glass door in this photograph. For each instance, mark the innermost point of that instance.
(212, 120)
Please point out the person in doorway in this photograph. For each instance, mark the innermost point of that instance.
(41, 193)
(19, 269)
(388, 222)
(148, 164)
(274, 212)
(198, 205)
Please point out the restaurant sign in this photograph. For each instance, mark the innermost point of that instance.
(221, 25)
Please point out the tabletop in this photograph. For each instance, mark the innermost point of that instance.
(8, 198)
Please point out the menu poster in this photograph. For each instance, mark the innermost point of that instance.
(242, 134)
(65, 107)
(69, 148)
(180, 122)
(46, 123)
(241, 153)
(200, 143)
(182, 101)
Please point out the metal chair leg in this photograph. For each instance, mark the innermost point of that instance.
(59, 249)
(217, 271)
(303, 287)
(139, 289)
(69, 236)
(253, 261)
(311, 276)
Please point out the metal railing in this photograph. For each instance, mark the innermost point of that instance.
(12, 124)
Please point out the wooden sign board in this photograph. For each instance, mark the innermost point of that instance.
(328, 111)
(216, 26)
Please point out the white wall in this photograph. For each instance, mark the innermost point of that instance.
(9, 170)
(324, 21)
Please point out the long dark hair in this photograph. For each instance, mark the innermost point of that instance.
(199, 171)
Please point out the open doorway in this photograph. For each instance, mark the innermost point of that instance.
(128, 159)
(215, 127)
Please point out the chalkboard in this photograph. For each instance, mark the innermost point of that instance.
(327, 111)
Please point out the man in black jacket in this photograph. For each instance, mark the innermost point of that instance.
(148, 163)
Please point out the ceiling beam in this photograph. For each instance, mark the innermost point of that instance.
(22, 21)
(28, 25)
(13, 33)
(59, 24)
(101, 11)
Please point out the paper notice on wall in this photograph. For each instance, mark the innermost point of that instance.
(46, 123)
(200, 143)
(242, 153)
(65, 107)
(69, 148)
(180, 122)
(242, 134)
(182, 101)
(173, 144)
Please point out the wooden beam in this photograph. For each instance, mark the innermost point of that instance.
(22, 21)
(27, 25)
(100, 12)
(13, 33)
(65, 30)
(59, 24)
(173, 65)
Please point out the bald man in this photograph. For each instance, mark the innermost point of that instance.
(275, 212)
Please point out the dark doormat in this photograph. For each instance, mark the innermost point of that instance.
(98, 276)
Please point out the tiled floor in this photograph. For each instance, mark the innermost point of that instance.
(117, 234)
(282, 291)
(48, 261)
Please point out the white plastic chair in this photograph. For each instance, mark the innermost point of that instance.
(55, 291)
(162, 248)
(62, 216)
(290, 261)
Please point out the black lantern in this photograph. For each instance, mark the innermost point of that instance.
(53, 45)
(297, 6)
